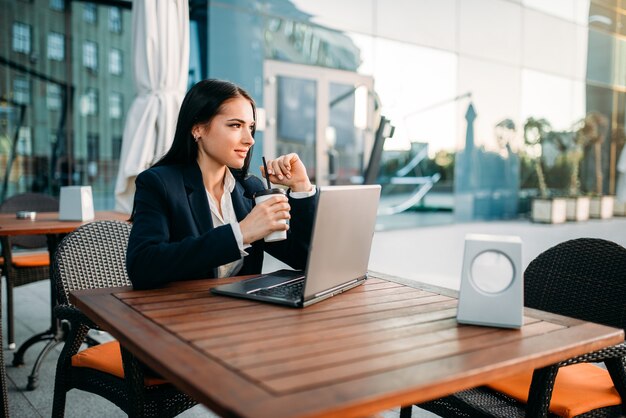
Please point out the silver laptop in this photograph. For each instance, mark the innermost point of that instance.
(339, 253)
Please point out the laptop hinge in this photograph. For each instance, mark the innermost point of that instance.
(335, 290)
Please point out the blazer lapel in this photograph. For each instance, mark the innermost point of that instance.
(198, 201)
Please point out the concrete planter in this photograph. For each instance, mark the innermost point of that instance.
(578, 208)
(601, 207)
(619, 209)
(552, 211)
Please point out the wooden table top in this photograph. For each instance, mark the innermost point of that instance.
(49, 223)
(386, 343)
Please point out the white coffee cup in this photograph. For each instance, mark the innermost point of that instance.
(262, 196)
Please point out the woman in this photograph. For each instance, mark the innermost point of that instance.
(194, 215)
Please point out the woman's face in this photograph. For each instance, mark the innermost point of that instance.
(226, 140)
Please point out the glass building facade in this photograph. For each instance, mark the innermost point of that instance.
(65, 84)
(323, 73)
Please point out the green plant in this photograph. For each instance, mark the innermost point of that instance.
(535, 131)
(592, 131)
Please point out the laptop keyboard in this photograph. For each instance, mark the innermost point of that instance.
(289, 290)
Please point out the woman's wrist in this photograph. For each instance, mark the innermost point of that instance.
(304, 186)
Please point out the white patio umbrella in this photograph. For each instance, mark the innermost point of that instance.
(161, 66)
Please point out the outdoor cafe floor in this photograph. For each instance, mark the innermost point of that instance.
(414, 253)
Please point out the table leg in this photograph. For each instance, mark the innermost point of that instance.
(54, 335)
(4, 399)
(33, 378)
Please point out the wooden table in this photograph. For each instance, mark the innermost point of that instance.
(45, 223)
(387, 343)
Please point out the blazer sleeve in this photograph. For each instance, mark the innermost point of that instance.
(165, 245)
(294, 250)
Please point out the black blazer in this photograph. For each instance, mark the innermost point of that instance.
(173, 237)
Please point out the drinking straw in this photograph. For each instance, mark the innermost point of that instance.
(267, 174)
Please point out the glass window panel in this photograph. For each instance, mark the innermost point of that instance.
(296, 125)
(496, 96)
(476, 30)
(601, 46)
(90, 55)
(611, 4)
(563, 9)
(620, 62)
(56, 46)
(89, 102)
(426, 22)
(621, 25)
(57, 157)
(345, 134)
(116, 147)
(54, 98)
(293, 41)
(549, 97)
(410, 93)
(115, 61)
(600, 100)
(90, 13)
(93, 147)
(333, 14)
(21, 37)
(24, 142)
(602, 18)
(550, 44)
(21, 90)
(57, 5)
(115, 105)
(115, 20)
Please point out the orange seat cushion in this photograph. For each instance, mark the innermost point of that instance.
(26, 260)
(578, 388)
(107, 358)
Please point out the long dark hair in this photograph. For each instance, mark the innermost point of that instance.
(200, 105)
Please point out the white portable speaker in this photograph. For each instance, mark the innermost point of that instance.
(76, 203)
(492, 289)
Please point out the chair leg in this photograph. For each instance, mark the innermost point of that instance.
(63, 376)
(10, 323)
(540, 391)
(406, 411)
(60, 380)
(58, 402)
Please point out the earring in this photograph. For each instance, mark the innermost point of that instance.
(196, 138)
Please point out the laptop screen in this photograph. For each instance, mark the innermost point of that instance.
(345, 221)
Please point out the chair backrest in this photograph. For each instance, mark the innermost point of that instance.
(91, 257)
(37, 202)
(584, 278)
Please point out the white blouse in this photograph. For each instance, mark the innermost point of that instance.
(228, 216)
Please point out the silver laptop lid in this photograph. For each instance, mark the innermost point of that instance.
(344, 227)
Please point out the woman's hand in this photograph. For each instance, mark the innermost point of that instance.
(264, 218)
(289, 171)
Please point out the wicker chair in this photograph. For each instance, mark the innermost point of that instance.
(583, 278)
(25, 267)
(93, 256)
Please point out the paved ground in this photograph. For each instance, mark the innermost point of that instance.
(418, 249)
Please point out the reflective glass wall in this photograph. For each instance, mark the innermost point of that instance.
(514, 62)
(459, 81)
(65, 86)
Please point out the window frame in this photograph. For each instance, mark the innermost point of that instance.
(21, 42)
(90, 55)
(55, 49)
(116, 62)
